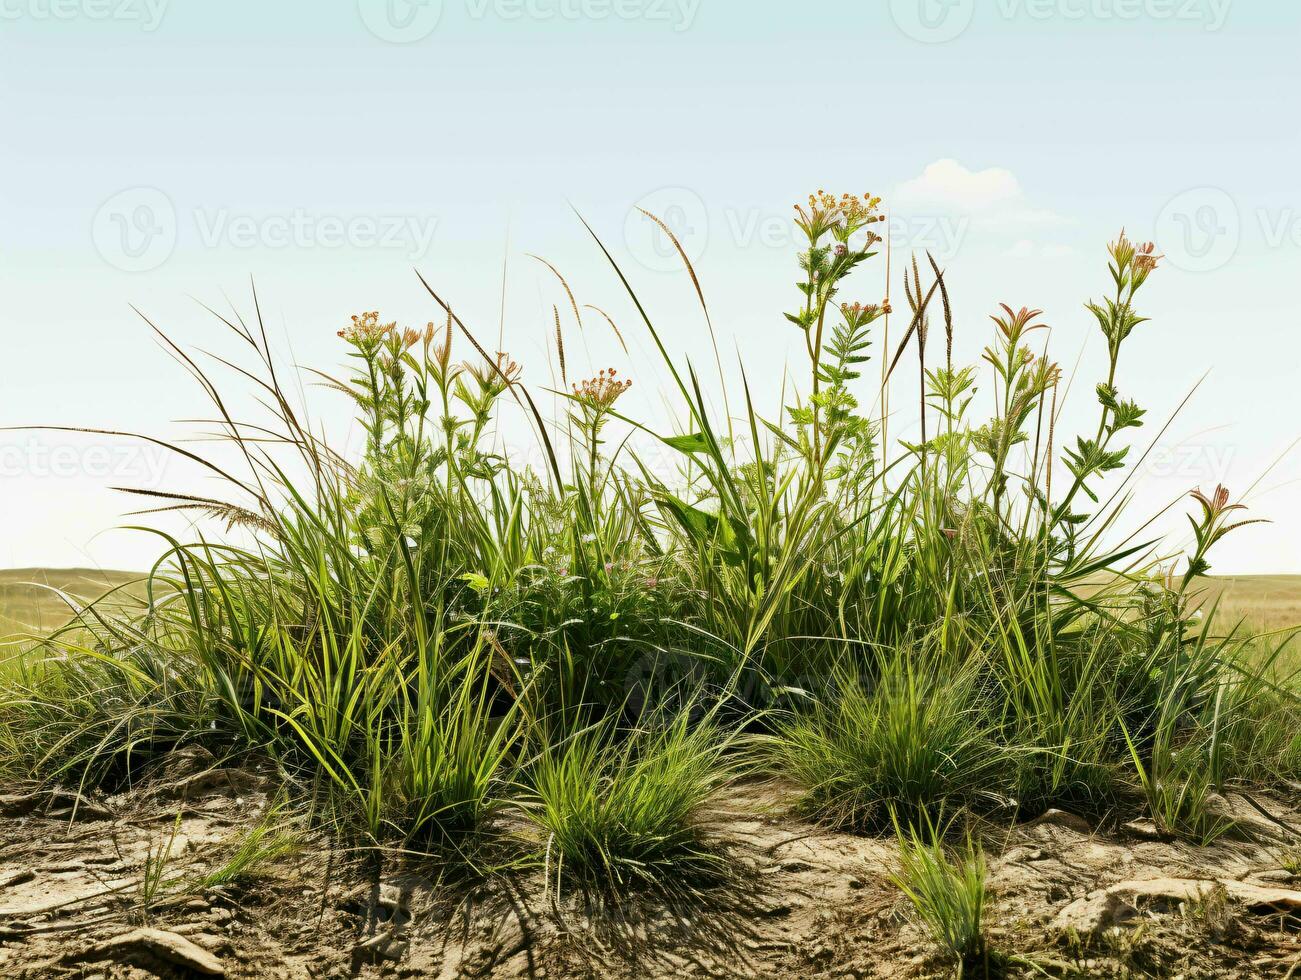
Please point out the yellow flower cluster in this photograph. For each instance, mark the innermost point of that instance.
(366, 327)
(855, 210)
(602, 391)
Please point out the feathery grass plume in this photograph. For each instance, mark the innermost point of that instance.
(231, 515)
(948, 312)
(704, 307)
(560, 346)
(578, 317)
(613, 325)
(686, 261)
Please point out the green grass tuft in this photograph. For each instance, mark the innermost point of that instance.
(626, 810)
(912, 739)
(947, 891)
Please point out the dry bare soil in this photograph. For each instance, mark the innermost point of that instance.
(112, 887)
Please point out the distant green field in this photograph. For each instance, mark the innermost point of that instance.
(1265, 602)
(30, 600)
(30, 604)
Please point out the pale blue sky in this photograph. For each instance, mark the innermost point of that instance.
(155, 152)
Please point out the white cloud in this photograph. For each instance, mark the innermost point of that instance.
(949, 185)
(993, 197)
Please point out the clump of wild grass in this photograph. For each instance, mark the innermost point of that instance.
(910, 740)
(947, 891)
(269, 841)
(1289, 860)
(449, 762)
(1179, 786)
(625, 810)
(402, 626)
(1211, 912)
(157, 876)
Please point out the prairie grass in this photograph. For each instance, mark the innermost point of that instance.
(947, 891)
(914, 739)
(443, 642)
(625, 811)
(1263, 603)
(264, 844)
(36, 601)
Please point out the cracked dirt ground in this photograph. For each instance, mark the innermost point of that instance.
(83, 893)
